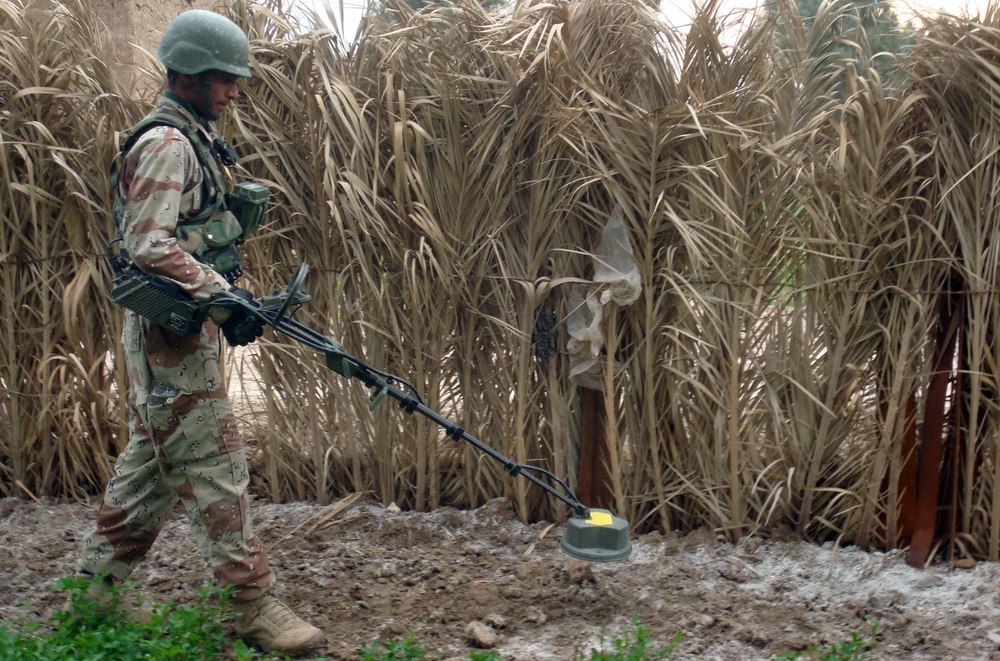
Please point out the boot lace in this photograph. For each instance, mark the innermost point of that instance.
(277, 613)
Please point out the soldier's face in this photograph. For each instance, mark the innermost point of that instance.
(209, 94)
(223, 89)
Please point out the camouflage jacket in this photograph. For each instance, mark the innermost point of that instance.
(171, 210)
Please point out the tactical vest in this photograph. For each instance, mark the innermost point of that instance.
(211, 235)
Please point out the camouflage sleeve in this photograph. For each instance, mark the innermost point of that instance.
(162, 182)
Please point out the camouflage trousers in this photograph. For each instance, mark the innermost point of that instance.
(183, 447)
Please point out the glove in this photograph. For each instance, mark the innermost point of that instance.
(242, 327)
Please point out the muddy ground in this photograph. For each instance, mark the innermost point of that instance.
(362, 571)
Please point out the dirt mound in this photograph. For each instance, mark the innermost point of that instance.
(461, 579)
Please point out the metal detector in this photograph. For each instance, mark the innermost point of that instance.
(595, 535)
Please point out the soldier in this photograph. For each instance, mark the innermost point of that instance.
(183, 441)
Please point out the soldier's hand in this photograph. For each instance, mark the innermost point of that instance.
(242, 327)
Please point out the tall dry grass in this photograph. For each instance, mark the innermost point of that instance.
(59, 111)
(814, 326)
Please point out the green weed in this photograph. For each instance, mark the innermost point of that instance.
(632, 646)
(848, 650)
(88, 630)
(484, 656)
(406, 649)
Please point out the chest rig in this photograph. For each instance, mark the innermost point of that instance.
(212, 234)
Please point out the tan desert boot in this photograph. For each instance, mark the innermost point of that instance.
(272, 626)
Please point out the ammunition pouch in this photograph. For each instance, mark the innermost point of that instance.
(154, 297)
(214, 243)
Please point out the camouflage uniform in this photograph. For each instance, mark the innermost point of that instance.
(183, 442)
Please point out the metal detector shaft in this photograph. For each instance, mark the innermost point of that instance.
(382, 385)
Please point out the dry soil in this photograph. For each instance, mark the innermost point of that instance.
(457, 580)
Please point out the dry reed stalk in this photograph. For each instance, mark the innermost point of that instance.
(60, 104)
(795, 221)
(957, 70)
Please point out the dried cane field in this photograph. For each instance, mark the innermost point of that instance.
(773, 261)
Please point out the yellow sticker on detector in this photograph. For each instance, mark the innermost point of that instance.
(600, 519)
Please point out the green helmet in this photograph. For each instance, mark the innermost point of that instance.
(198, 41)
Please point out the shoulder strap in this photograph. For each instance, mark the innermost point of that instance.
(212, 181)
(150, 121)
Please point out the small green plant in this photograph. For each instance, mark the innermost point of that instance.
(105, 628)
(406, 649)
(91, 628)
(848, 650)
(634, 646)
